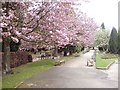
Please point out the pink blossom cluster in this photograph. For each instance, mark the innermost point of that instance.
(46, 23)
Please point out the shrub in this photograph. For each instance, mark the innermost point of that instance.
(14, 46)
(78, 49)
(30, 58)
(109, 56)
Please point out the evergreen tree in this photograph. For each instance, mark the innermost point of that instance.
(103, 26)
(113, 42)
(119, 41)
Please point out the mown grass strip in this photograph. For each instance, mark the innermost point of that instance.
(25, 71)
(103, 63)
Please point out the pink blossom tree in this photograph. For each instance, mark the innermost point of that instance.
(43, 23)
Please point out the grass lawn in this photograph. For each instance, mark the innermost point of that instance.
(102, 63)
(23, 72)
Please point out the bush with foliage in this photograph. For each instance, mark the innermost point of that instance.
(78, 49)
(109, 56)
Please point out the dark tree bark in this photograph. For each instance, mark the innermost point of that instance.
(55, 51)
(65, 53)
(6, 56)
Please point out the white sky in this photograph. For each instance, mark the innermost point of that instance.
(102, 11)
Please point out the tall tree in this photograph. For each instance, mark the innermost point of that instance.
(6, 41)
(101, 39)
(103, 26)
(113, 42)
(119, 41)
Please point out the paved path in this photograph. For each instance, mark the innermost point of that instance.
(73, 74)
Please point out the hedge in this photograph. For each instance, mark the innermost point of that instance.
(18, 58)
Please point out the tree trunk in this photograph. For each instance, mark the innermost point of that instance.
(65, 53)
(71, 52)
(6, 56)
(103, 49)
(56, 51)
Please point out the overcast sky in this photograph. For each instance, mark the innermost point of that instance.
(102, 11)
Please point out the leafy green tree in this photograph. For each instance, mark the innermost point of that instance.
(102, 39)
(113, 42)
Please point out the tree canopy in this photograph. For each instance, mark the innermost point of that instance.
(101, 37)
(46, 23)
(43, 24)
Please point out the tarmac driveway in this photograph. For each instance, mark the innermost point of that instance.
(73, 74)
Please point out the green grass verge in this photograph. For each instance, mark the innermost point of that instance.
(103, 63)
(0, 82)
(25, 71)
